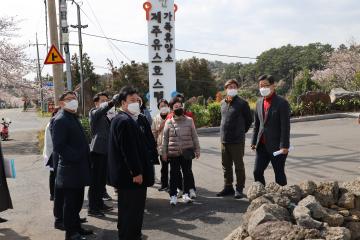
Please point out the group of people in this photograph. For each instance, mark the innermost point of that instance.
(125, 145)
(271, 134)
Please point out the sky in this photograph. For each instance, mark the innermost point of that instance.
(233, 27)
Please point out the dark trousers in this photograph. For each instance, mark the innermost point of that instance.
(98, 181)
(52, 183)
(164, 173)
(177, 165)
(263, 158)
(233, 154)
(58, 203)
(131, 206)
(73, 201)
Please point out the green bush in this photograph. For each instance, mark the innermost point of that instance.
(321, 108)
(202, 116)
(355, 104)
(214, 114)
(86, 125)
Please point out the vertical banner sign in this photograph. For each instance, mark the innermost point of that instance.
(160, 15)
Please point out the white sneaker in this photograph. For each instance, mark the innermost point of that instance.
(186, 198)
(192, 193)
(180, 193)
(173, 200)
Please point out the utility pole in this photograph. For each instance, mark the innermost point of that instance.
(39, 75)
(57, 69)
(38, 67)
(64, 39)
(46, 27)
(79, 27)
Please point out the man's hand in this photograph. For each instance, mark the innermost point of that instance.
(253, 147)
(116, 99)
(197, 155)
(285, 150)
(138, 179)
(165, 157)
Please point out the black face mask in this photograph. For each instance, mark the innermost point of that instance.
(179, 112)
(163, 116)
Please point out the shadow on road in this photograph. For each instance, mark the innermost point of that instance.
(183, 218)
(9, 234)
(21, 148)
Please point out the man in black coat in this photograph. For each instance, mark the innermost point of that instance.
(271, 131)
(131, 154)
(5, 199)
(236, 120)
(99, 117)
(73, 167)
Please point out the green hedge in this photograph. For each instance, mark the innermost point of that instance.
(202, 115)
(214, 114)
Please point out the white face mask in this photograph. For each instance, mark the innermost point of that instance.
(164, 110)
(72, 105)
(134, 108)
(265, 91)
(232, 92)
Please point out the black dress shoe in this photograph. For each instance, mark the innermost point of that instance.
(227, 191)
(85, 232)
(2, 220)
(76, 236)
(95, 213)
(83, 220)
(59, 226)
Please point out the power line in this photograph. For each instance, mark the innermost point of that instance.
(180, 50)
(103, 32)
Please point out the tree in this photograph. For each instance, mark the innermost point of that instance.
(13, 61)
(303, 84)
(341, 69)
(282, 62)
(194, 78)
(88, 70)
(135, 74)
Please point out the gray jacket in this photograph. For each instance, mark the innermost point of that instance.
(276, 127)
(100, 129)
(236, 120)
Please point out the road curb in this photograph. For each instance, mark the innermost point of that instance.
(293, 120)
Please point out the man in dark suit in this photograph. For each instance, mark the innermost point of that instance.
(130, 163)
(99, 117)
(73, 168)
(271, 131)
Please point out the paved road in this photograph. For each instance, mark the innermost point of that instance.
(323, 150)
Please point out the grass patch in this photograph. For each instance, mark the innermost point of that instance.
(43, 114)
(40, 137)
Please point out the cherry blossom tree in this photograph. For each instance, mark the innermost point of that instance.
(342, 69)
(13, 61)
